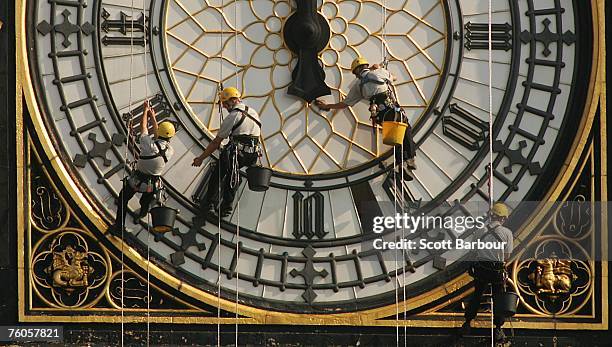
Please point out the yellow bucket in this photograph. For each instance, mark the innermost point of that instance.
(393, 133)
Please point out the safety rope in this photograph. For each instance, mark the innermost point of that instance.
(490, 172)
(219, 187)
(490, 63)
(124, 183)
(238, 176)
(383, 53)
(144, 53)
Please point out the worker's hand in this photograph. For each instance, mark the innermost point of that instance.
(321, 105)
(197, 161)
(146, 104)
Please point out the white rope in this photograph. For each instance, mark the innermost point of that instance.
(383, 46)
(237, 174)
(122, 207)
(383, 53)
(492, 315)
(237, 264)
(144, 53)
(396, 284)
(490, 65)
(219, 192)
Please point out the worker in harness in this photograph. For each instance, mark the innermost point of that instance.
(488, 269)
(155, 151)
(243, 127)
(374, 83)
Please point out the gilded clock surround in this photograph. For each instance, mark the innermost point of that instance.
(94, 223)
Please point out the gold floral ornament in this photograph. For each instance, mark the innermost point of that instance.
(556, 279)
(67, 273)
(240, 43)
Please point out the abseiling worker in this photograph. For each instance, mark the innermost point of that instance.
(243, 128)
(488, 268)
(374, 84)
(155, 151)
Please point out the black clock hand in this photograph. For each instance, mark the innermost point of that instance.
(306, 33)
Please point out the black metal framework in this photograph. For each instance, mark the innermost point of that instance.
(8, 164)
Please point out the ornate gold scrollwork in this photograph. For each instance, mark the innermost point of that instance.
(574, 218)
(48, 210)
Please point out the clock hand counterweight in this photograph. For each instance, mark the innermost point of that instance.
(306, 33)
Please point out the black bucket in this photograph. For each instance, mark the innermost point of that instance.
(163, 219)
(506, 304)
(259, 178)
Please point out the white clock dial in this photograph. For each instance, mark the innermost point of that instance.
(241, 43)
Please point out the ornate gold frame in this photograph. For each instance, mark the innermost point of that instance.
(373, 317)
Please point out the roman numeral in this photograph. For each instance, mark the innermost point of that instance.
(127, 27)
(366, 205)
(399, 193)
(308, 215)
(463, 127)
(477, 36)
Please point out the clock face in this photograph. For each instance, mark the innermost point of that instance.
(240, 42)
(300, 245)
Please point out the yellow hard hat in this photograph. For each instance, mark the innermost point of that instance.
(500, 209)
(166, 130)
(358, 62)
(228, 93)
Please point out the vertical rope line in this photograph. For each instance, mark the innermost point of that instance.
(237, 173)
(125, 168)
(490, 63)
(146, 72)
(236, 43)
(383, 53)
(492, 315)
(396, 263)
(219, 189)
(403, 260)
(237, 263)
(148, 278)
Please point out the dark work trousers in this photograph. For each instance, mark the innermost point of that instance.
(485, 274)
(126, 194)
(389, 114)
(223, 169)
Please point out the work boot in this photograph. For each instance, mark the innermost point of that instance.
(408, 175)
(225, 212)
(141, 214)
(207, 210)
(466, 329)
(411, 164)
(499, 335)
